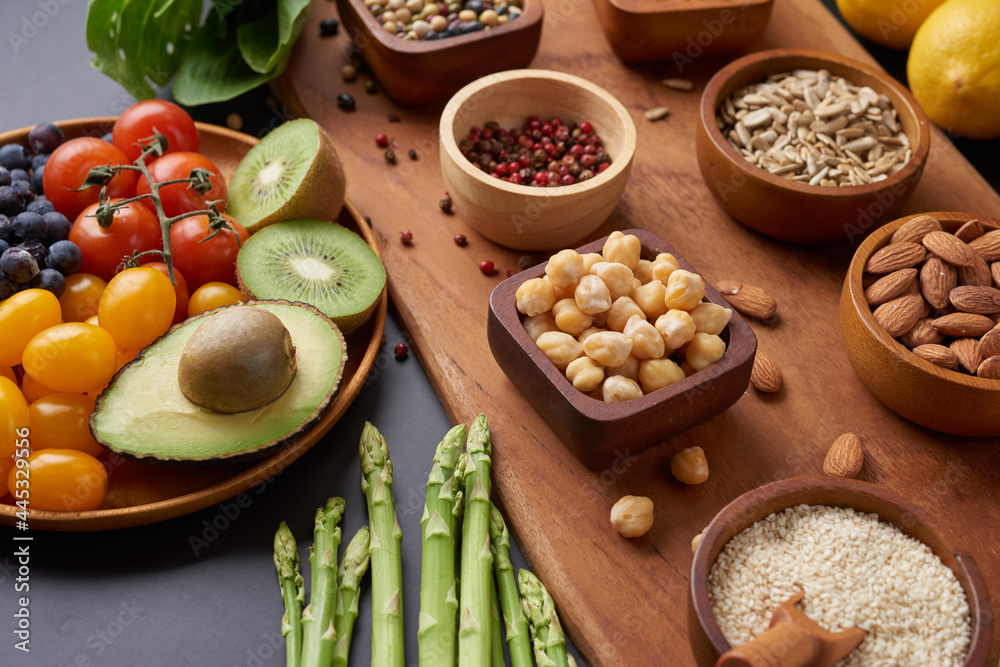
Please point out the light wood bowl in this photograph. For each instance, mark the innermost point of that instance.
(926, 394)
(419, 71)
(652, 30)
(799, 212)
(521, 216)
(707, 640)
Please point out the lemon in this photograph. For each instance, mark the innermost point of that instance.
(892, 23)
(954, 68)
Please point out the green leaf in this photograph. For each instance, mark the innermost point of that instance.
(266, 40)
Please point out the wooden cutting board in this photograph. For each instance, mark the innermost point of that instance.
(623, 602)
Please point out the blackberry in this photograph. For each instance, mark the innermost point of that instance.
(19, 265)
(45, 138)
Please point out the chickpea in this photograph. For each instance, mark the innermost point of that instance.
(704, 350)
(663, 266)
(560, 348)
(564, 268)
(629, 369)
(632, 516)
(617, 389)
(588, 332)
(651, 298)
(535, 296)
(684, 290)
(624, 249)
(617, 277)
(688, 369)
(710, 318)
(659, 373)
(565, 292)
(621, 312)
(636, 284)
(690, 465)
(536, 325)
(592, 295)
(569, 318)
(589, 259)
(608, 348)
(677, 328)
(585, 374)
(643, 271)
(696, 541)
(647, 343)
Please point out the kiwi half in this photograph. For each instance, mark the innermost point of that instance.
(315, 262)
(294, 172)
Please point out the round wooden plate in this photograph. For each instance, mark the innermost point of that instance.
(143, 493)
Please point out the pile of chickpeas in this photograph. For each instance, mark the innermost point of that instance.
(621, 326)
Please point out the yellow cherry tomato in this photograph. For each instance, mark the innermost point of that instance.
(13, 417)
(59, 479)
(21, 317)
(137, 307)
(73, 357)
(62, 421)
(83, 293)
(213, 295)
(33, 389)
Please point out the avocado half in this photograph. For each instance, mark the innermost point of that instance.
(142, 413)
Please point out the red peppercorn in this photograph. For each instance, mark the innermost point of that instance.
(406, 237)
(541, 177)
(393, 117)
(556, 122)
(501, 169)
(461, 241)
(567, 180)
(524, 160)
(602, 167)
(381, 140)
(547, 129)
(515, 178)
(576, 150)
(487, 133)
(586, 127)
(401, 350)
(511, 272)
(486, 266)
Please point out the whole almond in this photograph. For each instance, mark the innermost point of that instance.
(845, 457)
(995, 271)
(937, 279)
(750, 300)
(949, 247)
(977, 273)
(900, 314)
(937, 354)
(890, 286)
(976, 299)
(895, 256)
(922, 333)
(987, 245)
(915, 229)
(967, 351)
(990, 368)
(765, 374)
(989, 344)
(963, 325)
(973, 229)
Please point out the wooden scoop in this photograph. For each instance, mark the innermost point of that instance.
(793, 640)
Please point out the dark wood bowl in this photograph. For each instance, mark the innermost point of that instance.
(707, 640)
(799, 212)
(600, 433)
(914, 388)
(651, 30)
(418, 71)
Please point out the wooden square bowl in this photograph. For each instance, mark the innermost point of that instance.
(419, 71)
(704, 633)
(681, 30)
(599, 433)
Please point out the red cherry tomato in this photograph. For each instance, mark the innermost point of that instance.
(180, 198)
(66, 170)
(103, 248)
(204, 261)
(144, 119)
(180, 288)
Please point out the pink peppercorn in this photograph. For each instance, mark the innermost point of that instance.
(381, 140)
(401, 350)
(486, 266)
(586, 127)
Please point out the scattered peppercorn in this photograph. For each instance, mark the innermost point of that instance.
(370, 87)
(487, 267)
(412, 154)
(461, 241)
(329, 27)
(401, 351)
(525, 262)
(390, 156)
(393, 117)
(234, 121)
(381, 140)
(349, 72)
(406, 237)
(445, 204)
(346, 102)
(511, 272)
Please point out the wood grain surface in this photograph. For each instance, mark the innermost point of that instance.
(623, 602)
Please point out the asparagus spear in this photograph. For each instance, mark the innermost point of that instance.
(546, 631)
(436, 636)
(386, 560)
(286, 562)
(318, 634)
(496, 639)
(515, 622)
(352, 571)
(474, 644)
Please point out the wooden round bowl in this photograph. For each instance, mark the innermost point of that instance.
(940, 399)
(707, 640)
(799, 212)
(520, 216)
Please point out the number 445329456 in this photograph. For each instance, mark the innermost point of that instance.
(21, 473)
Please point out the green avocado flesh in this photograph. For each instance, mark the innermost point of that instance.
(143, 413)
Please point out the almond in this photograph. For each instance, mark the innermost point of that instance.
(765, 374)
(922, 333)
(973, 229)
(990, 368)
(987, 245)
(963, 325)
(890, 286)
(937, 354)
(900, 314)
(976, 299)
(949, 247)
(896, 256)
(978, 273)
(989, 344)
(750, 300)
(845, 458)
(995, 270)
(937, 279)
(915, 229)
(967, 351)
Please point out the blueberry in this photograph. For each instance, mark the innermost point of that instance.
(6, 229)
(39, 160)
(472, 26)
(38, 250)
(328, 27)
(24, 191)
(37, 183)
(64, 257)
(57, 227)
(4, 176)
(8, 288)
(345, 102)
(475, 5)
(10, 201)
(3, 247)
(431, 36)
(15, 156)
(19, 175)
(45, 138)
(51, 280)
(40, 205)
(28, 226)
(19, 264)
